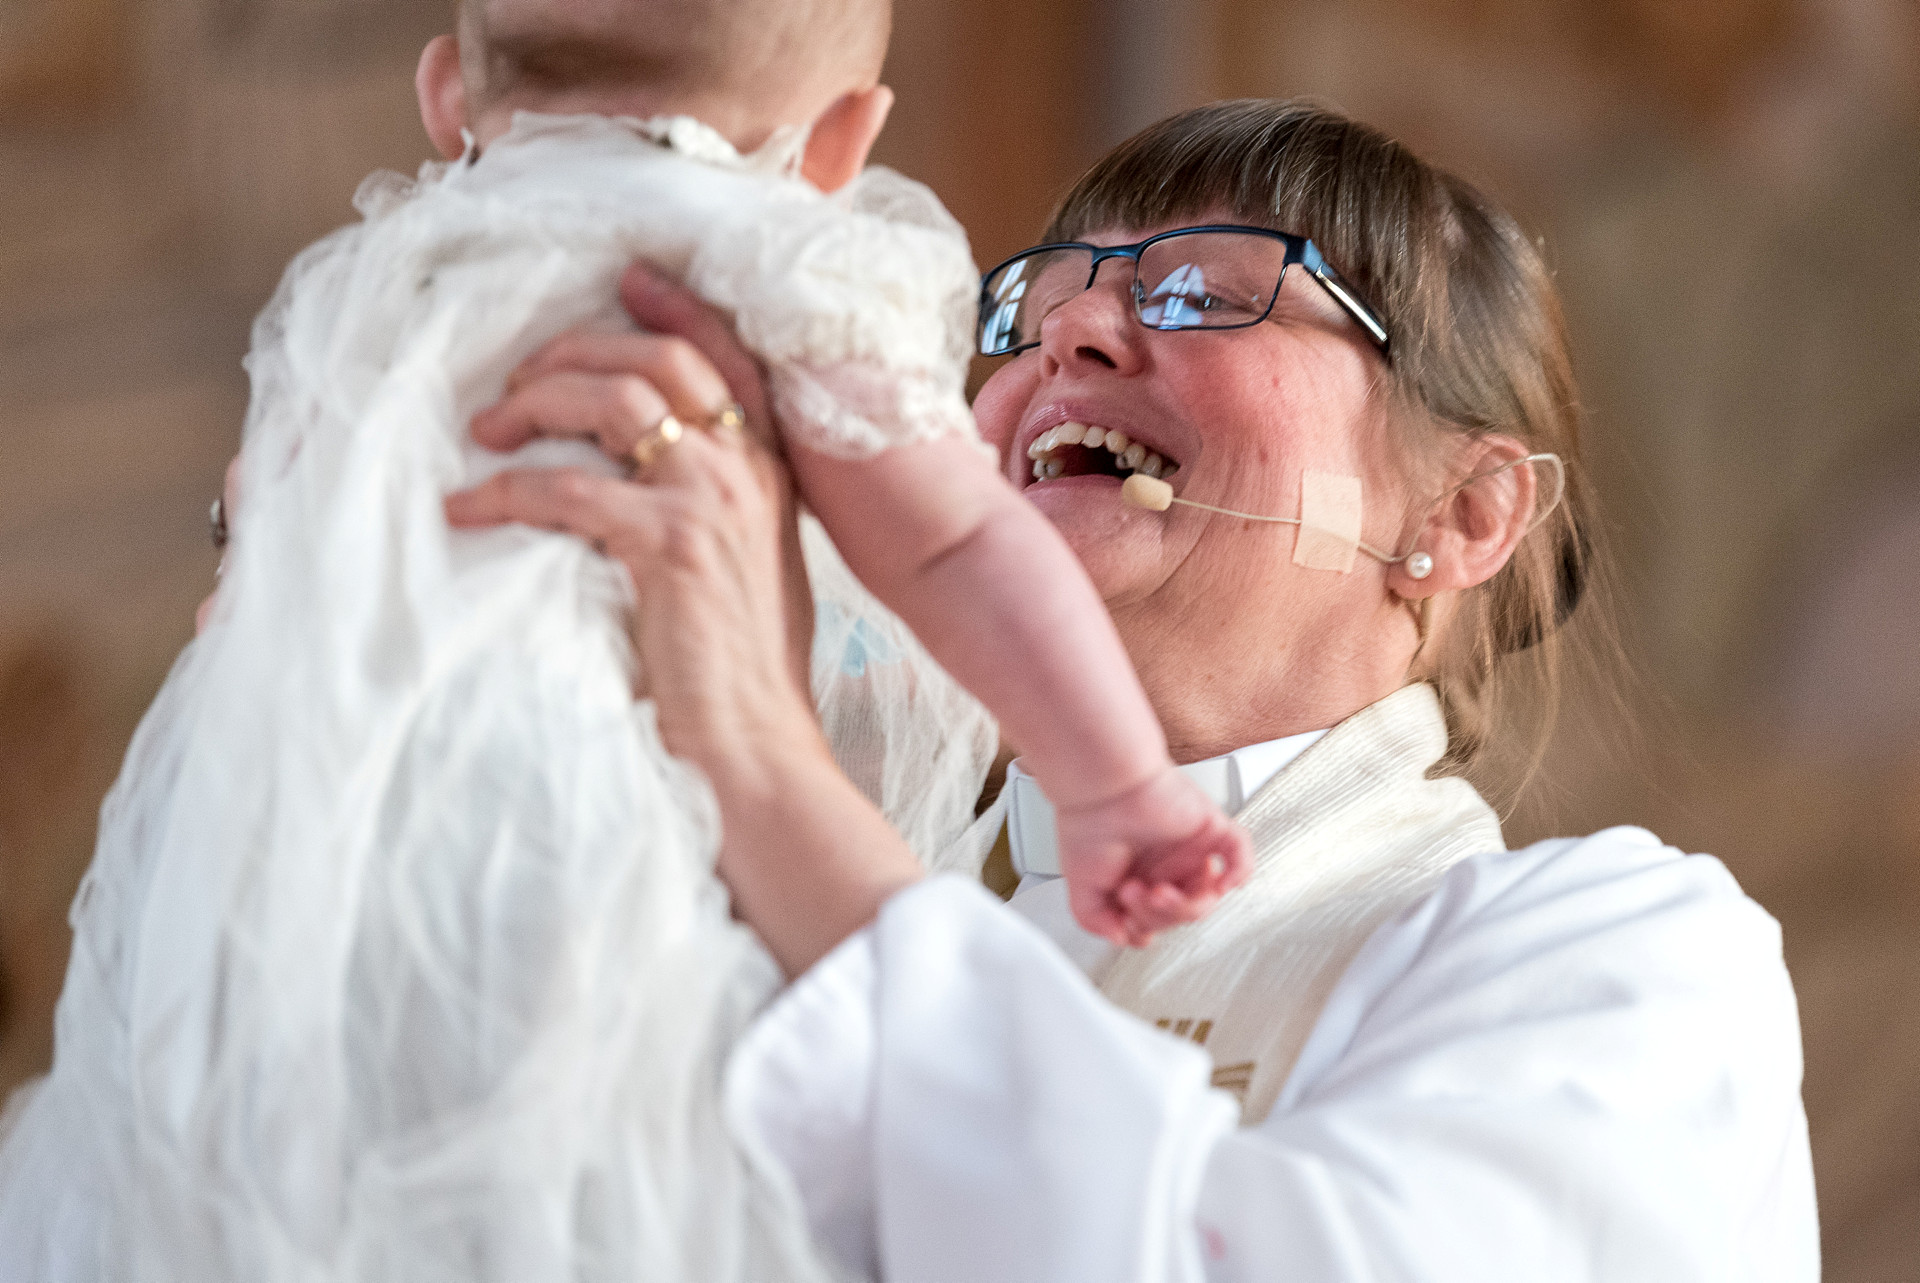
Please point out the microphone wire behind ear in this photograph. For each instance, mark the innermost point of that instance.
(1156, 495)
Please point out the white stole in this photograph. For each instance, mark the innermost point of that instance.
(1346, 837)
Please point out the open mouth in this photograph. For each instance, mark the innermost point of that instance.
(1076, 450)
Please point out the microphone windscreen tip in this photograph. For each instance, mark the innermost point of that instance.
(1143, 491)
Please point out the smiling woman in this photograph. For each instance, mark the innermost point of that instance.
(1400, 1050)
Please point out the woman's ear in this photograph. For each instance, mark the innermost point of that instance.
(1473, 528)
(843, 135)
(443, 96)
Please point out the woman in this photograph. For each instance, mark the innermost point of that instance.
(1400, 1051)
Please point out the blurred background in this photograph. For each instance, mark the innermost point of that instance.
(1730, 193)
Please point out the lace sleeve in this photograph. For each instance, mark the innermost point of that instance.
(862, 308)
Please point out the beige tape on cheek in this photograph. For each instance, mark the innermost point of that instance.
(1329, 522)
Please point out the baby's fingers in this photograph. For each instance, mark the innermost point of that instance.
(1098, 912)
(1212, 861)
(1153, 907)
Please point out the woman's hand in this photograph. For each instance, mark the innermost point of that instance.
(706, 531)
(229, 504)
(723, 618)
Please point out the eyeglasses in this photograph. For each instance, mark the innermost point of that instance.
(1196, 278)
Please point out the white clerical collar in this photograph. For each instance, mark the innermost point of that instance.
(1230, 780)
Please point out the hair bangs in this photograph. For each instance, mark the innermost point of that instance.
(1291, 167)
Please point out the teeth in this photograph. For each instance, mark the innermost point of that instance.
(1128, 453)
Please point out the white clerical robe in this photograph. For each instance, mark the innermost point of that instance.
(1576, 1061)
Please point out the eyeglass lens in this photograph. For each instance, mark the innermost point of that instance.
(1196, 280)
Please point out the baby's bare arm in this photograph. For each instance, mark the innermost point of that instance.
(994, 592)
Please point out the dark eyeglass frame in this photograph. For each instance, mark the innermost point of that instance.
(1299, 250)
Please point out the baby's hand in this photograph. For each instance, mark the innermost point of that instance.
(1154, 857)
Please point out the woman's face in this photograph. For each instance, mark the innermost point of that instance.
(1242, 413)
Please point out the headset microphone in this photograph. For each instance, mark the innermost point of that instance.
(1335, 502)
(1156, 495)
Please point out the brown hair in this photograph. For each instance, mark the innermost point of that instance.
(1478, 344)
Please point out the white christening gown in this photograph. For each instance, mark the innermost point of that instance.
(401, 957)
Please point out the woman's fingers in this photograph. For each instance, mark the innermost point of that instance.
(616, 412)
(614, 517)
(612, 389)
(668, 308)
(615, 388)
(229, 506)
(687, 383)
(621, 518)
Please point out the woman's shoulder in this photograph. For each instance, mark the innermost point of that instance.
(1650, 963)
(1622, 879)
(1619, 911)
(1608, 1011)
(1620, 904)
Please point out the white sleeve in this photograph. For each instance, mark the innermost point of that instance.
(1580, 1061)
(1577, 1061)
(956, 1103)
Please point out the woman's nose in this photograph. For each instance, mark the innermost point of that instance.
(1097, 326)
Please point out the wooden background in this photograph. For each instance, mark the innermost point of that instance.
(1729, 189)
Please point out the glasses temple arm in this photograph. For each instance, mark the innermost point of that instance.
(1315, 262)
(1351, 301)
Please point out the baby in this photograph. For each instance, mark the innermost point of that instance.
(882, 447)
(401, 954)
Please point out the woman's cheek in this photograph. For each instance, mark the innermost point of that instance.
(1002, 399)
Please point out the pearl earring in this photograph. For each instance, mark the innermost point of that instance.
(1419, 565)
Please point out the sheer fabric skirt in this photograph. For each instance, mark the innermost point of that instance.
(401, 956)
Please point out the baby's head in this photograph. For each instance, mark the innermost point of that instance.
(745, 67)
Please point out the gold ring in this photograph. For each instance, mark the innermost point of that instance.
(729, 419)
(664, 434)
